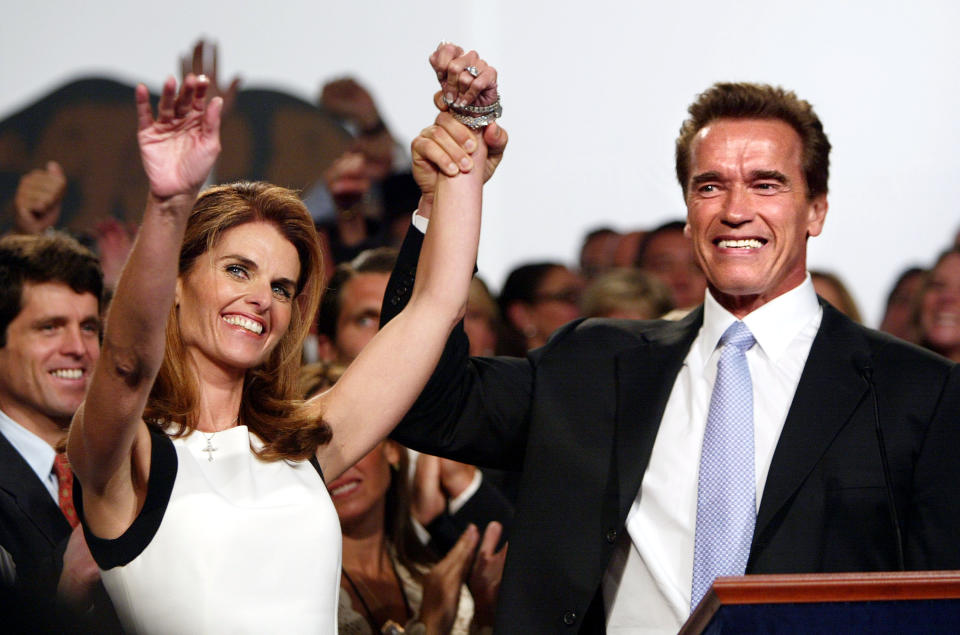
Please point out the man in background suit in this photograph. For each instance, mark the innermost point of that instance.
(50, 289)
(852, 452)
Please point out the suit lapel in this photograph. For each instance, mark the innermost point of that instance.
(30, 496)
(645, 377)
(829, 391)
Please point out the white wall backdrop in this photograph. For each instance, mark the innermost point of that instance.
(593, 94)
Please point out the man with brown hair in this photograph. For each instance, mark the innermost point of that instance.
(50, 289)
(763, 433)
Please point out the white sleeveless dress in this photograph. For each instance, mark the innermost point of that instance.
(229, 545)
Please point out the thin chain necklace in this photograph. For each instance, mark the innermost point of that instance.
(210, 449)
(366, 608)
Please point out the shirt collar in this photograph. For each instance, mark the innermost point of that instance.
(774, 325)
(35, 451)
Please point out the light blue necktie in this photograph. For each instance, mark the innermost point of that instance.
(726, 493)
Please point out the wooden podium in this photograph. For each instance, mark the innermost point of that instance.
(896, 602)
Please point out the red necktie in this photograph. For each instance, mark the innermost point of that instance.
(65, 491)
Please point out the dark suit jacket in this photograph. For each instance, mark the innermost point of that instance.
(32, 527)
(580, 415)
(35, 533)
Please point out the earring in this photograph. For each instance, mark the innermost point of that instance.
(530, 331)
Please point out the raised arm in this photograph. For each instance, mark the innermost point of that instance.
(109, 443)
(383, 382)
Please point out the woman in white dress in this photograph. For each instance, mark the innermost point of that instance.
(199, 502)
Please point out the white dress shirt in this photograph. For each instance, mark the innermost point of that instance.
(648, 584)
(35, 451)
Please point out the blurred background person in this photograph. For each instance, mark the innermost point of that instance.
(482, 320)
(667, 253)
(597, 251)
(901, 307)
(627, 293)
(367, 194)
(447, 496)
(627, 248)
(536, 300)
(829, 287)
(938, 318)
(388, 576)
(349, 314)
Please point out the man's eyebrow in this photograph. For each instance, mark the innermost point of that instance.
(49, 320)
(769, 175)
(704, 177)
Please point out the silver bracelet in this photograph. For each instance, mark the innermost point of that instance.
(475, 122)
(495, 107)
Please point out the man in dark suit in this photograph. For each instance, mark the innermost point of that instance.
(50, 290)
(850, 460)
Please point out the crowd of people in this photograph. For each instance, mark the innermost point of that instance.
(227, 419)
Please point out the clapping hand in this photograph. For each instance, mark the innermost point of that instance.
(180, 146)
(485, 575)
(204, 62)
(441, 587)
(38, 198)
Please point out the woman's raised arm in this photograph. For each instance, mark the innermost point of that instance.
(109, 443)
(385, 379)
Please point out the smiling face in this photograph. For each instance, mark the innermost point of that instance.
(940, 308)
(235, 303)
(51, 348)
(748, 212)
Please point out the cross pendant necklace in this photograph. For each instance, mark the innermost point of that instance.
(210, 449)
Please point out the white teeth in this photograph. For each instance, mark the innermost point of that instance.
(238, 320)
(749, 243)
(343, 489)
(67, 373)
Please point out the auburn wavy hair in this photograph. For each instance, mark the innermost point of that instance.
(271, 405)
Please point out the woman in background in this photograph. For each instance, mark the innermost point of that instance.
(389, 577)
(938, 315)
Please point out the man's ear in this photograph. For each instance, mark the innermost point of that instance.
(816, 215)
(326, 351)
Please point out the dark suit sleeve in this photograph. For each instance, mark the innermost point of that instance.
(933, 526)
(471, 410)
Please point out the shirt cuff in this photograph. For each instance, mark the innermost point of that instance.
(456, 504)
(420, 222)
(420, 531)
